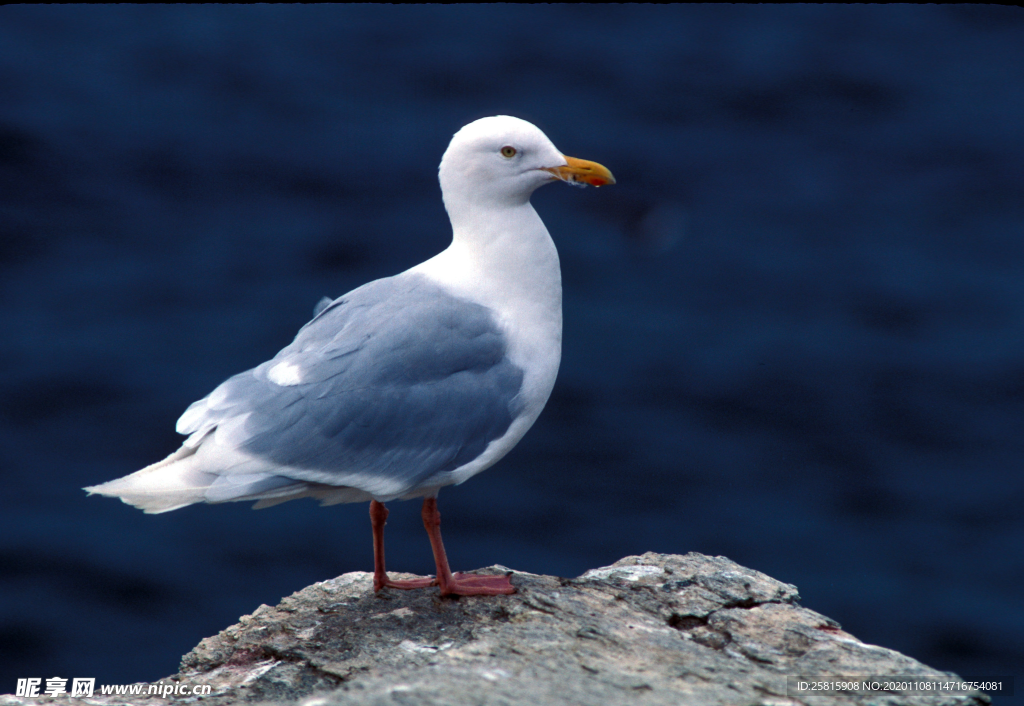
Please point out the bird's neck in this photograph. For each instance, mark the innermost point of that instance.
(504, 257)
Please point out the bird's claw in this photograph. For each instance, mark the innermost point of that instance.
(474, 585)
(404, 584)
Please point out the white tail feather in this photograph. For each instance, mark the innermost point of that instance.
(208, 472)
(163, 486)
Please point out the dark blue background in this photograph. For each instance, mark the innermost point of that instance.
(793, 330)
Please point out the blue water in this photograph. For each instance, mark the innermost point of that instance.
(794, 330)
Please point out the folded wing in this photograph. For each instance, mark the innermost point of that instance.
(386, 387)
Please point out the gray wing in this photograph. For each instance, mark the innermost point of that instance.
(395, 381)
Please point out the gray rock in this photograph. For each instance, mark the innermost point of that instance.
(653, 629)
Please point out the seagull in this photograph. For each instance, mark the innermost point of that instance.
(406, 384)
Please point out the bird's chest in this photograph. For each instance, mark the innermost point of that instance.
(533, 335)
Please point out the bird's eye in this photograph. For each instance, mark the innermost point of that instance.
(508, 151)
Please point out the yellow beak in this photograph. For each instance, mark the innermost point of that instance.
(581, 170)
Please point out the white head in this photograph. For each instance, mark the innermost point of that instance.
(498, 162)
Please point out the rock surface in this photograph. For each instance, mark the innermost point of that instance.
(651, 629)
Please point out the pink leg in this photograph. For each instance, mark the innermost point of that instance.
(378, 518)
(455, 584)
